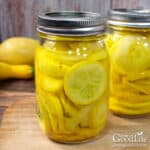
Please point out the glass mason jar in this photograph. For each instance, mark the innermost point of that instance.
(128, 43)
(72, 75)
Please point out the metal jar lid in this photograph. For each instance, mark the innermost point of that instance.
(134, 18)
(71, 23)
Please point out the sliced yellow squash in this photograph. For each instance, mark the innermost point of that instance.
(48, 63)
(131, 54)
(50, 84)
(85, 82)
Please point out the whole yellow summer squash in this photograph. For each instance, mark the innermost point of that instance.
(18, 51)
(8, 71)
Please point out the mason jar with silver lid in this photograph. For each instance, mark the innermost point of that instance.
(128, 43)
(72, 75)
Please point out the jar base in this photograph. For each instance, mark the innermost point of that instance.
(79, 141)
(130, 116)
(126, 109)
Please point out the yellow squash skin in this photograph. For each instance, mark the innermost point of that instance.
(8, 71)
(18, 50)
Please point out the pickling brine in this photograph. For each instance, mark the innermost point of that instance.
(72, 79)
(128, 44)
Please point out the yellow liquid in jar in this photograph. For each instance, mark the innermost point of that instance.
(72, 89)
(130, 72)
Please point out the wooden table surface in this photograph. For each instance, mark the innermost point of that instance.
(19, 129)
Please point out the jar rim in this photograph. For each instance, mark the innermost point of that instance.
(71, 23)
(132, 18)
(71, 38)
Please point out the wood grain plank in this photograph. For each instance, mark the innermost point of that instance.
(130, 4)
(19, 17)
(20, 131)
(12, 90)
(17, 85)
